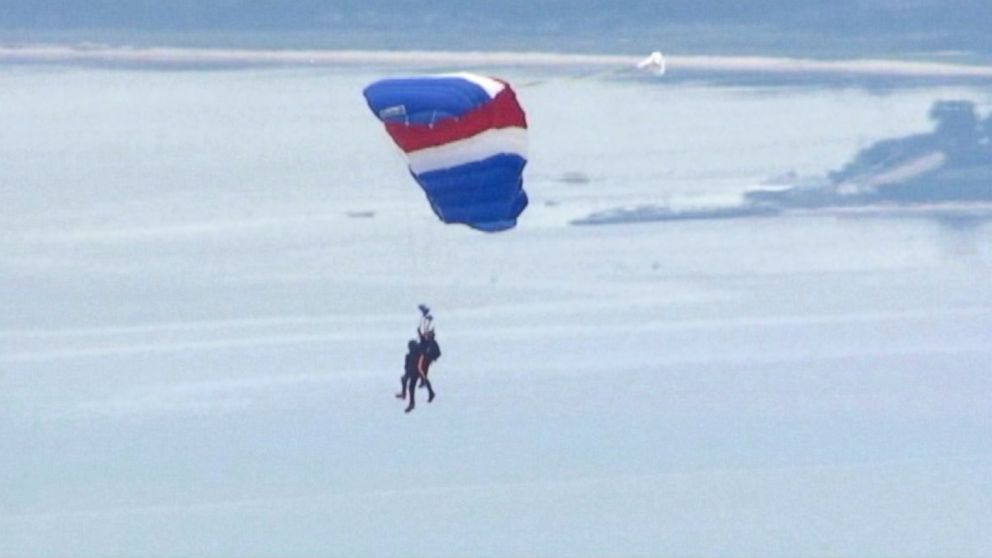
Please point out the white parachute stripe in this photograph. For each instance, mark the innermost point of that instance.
(491, 86)
(486, 144)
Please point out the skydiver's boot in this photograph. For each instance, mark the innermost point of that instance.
(412, 391)
(430, 391)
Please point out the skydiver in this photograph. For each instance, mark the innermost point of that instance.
(429, 348)
(411, 373)
(422, 364)
(426, 321)
(429, 352)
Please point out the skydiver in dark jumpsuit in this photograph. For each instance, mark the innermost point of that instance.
(411, 374)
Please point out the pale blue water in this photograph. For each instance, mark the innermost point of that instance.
(207, 280)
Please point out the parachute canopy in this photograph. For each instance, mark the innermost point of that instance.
(465, 139)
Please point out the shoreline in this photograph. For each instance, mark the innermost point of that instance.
(677, 65)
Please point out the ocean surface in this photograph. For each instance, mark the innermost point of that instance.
(208, 279)
(845, 29)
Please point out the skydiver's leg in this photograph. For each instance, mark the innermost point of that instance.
(402, 394)
(430, 390)
(412, 389)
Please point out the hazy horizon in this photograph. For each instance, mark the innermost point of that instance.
(869, 28)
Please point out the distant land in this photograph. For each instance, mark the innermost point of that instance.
(953, 163)
(948, 170)
(714, 69)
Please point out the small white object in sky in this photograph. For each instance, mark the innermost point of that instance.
(653, 63)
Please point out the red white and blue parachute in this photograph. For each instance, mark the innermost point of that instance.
(465, 139)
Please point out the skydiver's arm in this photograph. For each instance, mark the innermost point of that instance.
(425, 326)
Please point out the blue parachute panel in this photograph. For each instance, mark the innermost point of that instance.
(487, 195)
(423, 100)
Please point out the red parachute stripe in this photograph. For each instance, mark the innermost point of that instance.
(502, 112)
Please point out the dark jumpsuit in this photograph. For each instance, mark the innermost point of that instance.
(412, 374)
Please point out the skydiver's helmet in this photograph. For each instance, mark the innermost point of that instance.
(412, 345)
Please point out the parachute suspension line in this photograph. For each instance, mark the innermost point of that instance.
(654, 63)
